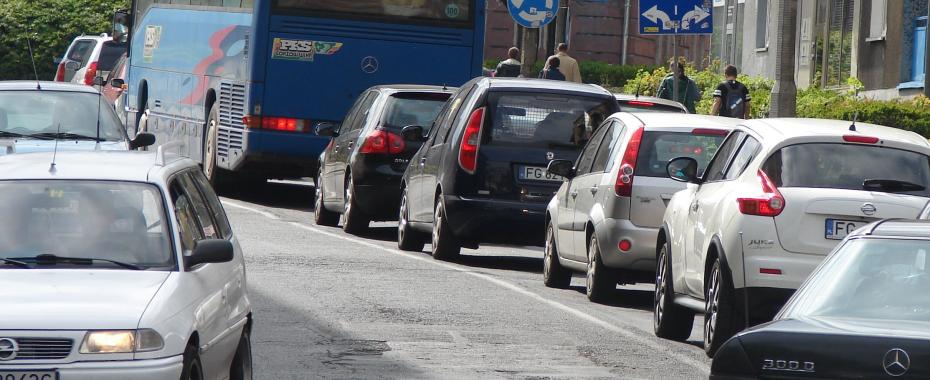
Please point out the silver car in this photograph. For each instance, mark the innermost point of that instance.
(605, 218)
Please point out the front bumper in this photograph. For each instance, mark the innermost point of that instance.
(496, 221)
(151, 369)
(642, 255)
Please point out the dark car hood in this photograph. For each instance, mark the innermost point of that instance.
(826, 348)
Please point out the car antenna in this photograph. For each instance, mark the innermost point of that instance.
(852, 127)
(51, 168)
(33, 59)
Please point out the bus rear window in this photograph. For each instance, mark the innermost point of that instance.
(451, 12)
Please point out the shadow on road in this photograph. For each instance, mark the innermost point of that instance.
(290, 195)
(387, 233)
(512, 263)
(626, 298)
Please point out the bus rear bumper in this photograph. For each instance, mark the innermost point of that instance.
(279, 154)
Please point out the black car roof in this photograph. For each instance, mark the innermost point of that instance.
(23, 85)
(545, 85)
(393, 88)
(900, 228)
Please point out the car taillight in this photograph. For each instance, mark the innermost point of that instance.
(382, 142)
(468, 150)
(770, 203)
(860, 139)
(60, 74)
(90, 74)
(624, 185)
(272, 123)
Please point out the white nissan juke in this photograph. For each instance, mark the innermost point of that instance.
(776, 198)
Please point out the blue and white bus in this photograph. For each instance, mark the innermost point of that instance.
(244, 84)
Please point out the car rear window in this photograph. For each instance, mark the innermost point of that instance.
(109, 54)
(544, 120)
(642, 106)
(407, 108)
(659, 147)
(81, 51)
(848, 166)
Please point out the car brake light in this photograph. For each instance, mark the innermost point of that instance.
(624, 184)
(770, 203)
(60, 74)
(709, 132)
(382, 142)
(640, 103)
(468, 150)
(90, 74)
(860, 139)
(283, 124)
(770, 271)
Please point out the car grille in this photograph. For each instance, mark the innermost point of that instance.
(43, 348)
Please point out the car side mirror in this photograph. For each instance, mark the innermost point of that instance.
(563, 168)
(73, 65)
(683, 169)
(143, 139)
(117, 82)
(327, 130)
(210, 251)
(413, 133)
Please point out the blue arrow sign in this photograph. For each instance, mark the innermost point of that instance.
(676, 17)
(533, 13)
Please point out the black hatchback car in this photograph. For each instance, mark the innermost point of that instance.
(359, 175)
(480, 176)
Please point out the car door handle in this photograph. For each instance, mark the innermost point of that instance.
(574, 193)
(593, 189)
(694, 207)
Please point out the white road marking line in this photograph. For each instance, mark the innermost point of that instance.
(624, 331)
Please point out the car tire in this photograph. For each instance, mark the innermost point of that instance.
(321, 215)
(600, 282)
(241, 368)
(670, 320)
(721, 317)
(191, 367)
(444, 245)
(211, 136)
(354, 220)
(408, 239)
(554, 274)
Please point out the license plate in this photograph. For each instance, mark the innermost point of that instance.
(536, 173)
(837, 229)
(28, 375)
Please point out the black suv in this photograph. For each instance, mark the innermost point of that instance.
(359, 175)
(480, 176)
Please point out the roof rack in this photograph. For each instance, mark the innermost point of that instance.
(160, 153)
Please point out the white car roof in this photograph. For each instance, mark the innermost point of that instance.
(788, 128)
(679, 120)
(100, 165)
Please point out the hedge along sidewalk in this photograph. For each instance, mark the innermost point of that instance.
(600, 73)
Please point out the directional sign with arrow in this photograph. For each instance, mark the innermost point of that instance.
(676, 17)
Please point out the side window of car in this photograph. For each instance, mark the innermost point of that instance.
(203, 214)
(188, 228)
(746, 153)
(603, 151)
(717, 167)
(364, 110)
(224, 230)
(353, 111)
(583, 165)
(619, 130)
(446, 118)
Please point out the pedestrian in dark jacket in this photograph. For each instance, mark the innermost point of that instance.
(511, 66)
(731, 98)
(688, 93)
(551, 71)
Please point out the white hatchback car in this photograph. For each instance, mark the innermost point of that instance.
(89, 57)
(777, 197)
(125, 267)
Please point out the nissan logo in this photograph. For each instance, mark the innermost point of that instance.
(868, 209)
(896, 362)
(8, 349)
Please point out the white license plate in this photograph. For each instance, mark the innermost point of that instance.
(837, 229)
(28, 375)
(536, 173)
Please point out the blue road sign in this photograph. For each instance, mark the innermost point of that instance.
(533, 13)
(676, 17)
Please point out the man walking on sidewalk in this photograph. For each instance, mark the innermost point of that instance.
(511, 66)
(569, 66)
(731, 98)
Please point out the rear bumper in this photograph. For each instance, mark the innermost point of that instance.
(642, 255)
(154, 369)
(279, 154)
(764, 303)
(496, 221)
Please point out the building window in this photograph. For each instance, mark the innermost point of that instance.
(833, 42)
(877, 20)
(762, 22)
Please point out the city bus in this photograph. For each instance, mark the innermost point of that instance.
(244, 85)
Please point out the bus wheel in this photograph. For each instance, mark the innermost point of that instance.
(209, 147)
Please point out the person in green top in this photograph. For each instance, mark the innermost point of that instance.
(688, 93)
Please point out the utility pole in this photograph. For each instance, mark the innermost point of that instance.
(530, 50)
(785, 91)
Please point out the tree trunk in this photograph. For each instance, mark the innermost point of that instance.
(785, 91)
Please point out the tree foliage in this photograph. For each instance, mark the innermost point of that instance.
(52, 24)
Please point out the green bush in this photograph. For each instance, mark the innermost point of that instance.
(52, 25)
(601, 73)
(911, 114)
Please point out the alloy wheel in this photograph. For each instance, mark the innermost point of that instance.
(712, 306)
(659, 303)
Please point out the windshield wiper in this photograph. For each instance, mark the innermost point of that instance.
(52, 259)
(14, 262)
(64, 136)
(891, 185)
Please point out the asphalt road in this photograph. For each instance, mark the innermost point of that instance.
(332, 305)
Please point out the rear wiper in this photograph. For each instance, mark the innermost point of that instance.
(64, 136)
(49, 258)
(14, 262)
(891, 185)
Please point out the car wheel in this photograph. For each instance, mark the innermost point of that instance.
(191, 368)
(720, 314)
(554, 274)
(445, 246)
(353, 218)
(599, 280)
(670, 321)
(408, 239)
(241, 368)
(209, 146)
(321, 215)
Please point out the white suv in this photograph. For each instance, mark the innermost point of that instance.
(777, 197)
(89, 57)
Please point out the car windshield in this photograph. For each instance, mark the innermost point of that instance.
(878, 279)
(405, 109)
(545, 120)
(119, 221)
(658, 148)
(848, 166)
(58, 113)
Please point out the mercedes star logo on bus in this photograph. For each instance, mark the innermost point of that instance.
(8, 349)
(896, 362)
(369, 64)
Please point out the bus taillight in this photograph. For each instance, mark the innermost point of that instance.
(272, 123)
